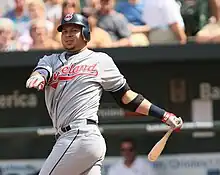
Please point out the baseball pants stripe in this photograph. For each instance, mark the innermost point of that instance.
(63, 153)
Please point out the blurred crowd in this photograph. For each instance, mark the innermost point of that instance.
(31, 24)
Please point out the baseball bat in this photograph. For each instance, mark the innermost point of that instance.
(159, 146)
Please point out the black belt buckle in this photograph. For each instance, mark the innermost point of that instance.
(65, 129)
(68, 128)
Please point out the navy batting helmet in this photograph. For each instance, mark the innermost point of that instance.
(78, 19)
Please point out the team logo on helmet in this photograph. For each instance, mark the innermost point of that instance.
(68, 17)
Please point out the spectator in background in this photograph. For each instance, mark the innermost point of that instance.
(91, 6)
(7, 34)
(215, 9)
(130, 164)
(54, 10)
(114, 23)
(99, 37)
(6, 6)
(68, 6)
(40, 36)
(190, 12)
(210, 33)
(165, 22)
(18, 16)
(36, 10)
(198, 13)
(133, 10)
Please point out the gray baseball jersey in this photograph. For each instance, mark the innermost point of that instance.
(75, 84)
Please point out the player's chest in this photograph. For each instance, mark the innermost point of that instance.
(73, 72)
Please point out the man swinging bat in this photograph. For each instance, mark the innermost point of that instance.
(73, 82)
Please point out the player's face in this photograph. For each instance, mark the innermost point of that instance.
(127, 151)
(72, 37)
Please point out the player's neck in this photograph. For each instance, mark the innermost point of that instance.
(76, 51)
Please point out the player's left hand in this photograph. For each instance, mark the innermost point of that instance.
(172, 120)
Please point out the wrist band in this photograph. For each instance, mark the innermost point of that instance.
(157, 112)
(44, 72)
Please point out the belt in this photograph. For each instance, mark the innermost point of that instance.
(68, 127)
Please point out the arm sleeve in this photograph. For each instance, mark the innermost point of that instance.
(44, 66)
(111, 78)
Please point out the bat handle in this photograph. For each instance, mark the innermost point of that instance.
(168, 133)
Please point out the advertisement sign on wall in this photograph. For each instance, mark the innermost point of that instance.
(181, 164)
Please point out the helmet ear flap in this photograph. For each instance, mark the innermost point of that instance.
(86, 34)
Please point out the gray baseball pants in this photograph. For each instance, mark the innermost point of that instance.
(79, 151)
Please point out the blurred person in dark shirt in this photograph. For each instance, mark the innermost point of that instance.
(91, 6)
(210, 33)
(114, 23)
(99, 37)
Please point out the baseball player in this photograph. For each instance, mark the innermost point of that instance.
(73, 82)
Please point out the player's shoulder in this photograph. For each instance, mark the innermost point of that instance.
(102, 57)
(51, 57)
(101, 54)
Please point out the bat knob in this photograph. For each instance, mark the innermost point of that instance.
(152, 158)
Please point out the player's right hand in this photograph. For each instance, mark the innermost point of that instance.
(172, 120)
(36, 81)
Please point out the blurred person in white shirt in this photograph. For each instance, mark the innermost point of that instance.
(37, 10)
(7, 36)
(54, 10)
(130, 164)
(165, 22)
